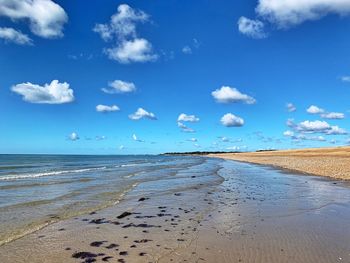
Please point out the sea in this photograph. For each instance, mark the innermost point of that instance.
(38, 190)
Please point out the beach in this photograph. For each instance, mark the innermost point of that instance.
(329, 162)
(199, 209)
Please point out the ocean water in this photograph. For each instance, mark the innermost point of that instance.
(37, 190)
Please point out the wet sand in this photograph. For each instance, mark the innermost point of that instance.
(249, 213)
(330, 162)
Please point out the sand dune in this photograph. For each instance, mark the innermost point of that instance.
(330, 162)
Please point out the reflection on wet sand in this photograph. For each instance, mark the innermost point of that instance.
(246, 213)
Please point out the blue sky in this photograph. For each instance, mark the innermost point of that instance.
(230, 66)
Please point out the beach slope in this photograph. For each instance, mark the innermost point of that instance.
(330, 162)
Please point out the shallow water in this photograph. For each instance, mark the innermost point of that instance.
(36, 190)
(196, 209)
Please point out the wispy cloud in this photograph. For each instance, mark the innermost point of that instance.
(106, 108)
(73, 136)
(15, 36)
(188, 118)
(251, 28)
(290, 107)
(136, 139)
(119, 86)
(184, 128)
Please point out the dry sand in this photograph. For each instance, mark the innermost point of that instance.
(330, 162)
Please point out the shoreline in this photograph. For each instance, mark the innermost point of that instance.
(332, 163)
(244, 213)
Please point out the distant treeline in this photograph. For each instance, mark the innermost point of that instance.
(194, 153)
(213, 152)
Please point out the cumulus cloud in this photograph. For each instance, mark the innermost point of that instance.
(333, 115)
(336, 130)
(290, 107)
(121, 30)
(231, 120)
(136, 139)
(136, 50)
(193, 140)
(105, 108)
(313, 126)
(316, 127)
(251, 28)
(46, 18)
(286, 13)
(142, 114)
(53, 93)
(184, 128)
(14, 36)
(314, 110)
(189, 118)
(229, 95)
(73, 136)
(324, 114)
(119, 86)
(283, 14)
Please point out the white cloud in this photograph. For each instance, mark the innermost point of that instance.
(53, 93)
(224, 139)
(290, 107)
(122, 23)
(46, 18)
(345, 78)
(335, 130)
(333, 115)
(136, 50)
(227, 95)
(326, 115)
(136, 139)
(100, 138)
(234, 148)
(288, 133)
(187, 50)
(119, 86)
(251, 28)
(314, 126)
(314, 110)
(230, 120)
(121, 147)
(141, 113)
(184, 128)
(286, 13)
(193, 140)
(73, 136)
(121, 29)
(189, 118)
(14, 36)
(105, 108)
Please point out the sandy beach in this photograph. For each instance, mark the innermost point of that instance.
(330, 162)
(244, 213)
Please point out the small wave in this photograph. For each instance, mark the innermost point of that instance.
(35, 175)
(132, 164)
